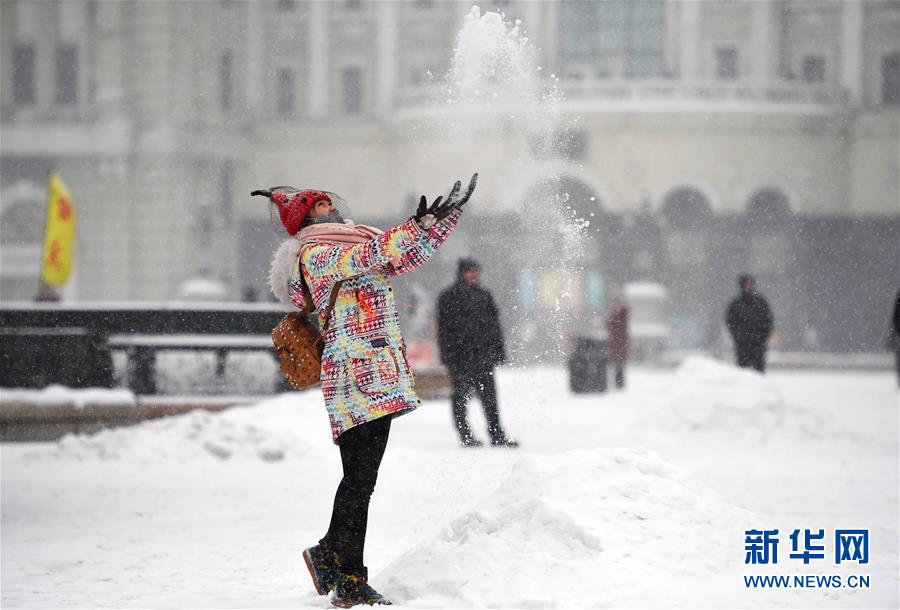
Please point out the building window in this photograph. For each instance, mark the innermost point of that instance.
(814, 69)
(612, 38)
(351, 79)
(890, 79)
(23, 75)
(423, 3)
(286, 89)
(66, 74)
(286, 5)
(352, 5)
(727, 63)
(226, 72)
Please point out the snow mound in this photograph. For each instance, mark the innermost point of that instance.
(268, 432)
(707, 395)
(593, 522)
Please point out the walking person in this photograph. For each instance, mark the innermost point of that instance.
(617, 338)
(366, 380)
(893, 342)
(471, 345)
(750, 322)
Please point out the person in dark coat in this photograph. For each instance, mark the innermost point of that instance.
(894, 336)
(617, 340)
(749, 320)
(471, 345)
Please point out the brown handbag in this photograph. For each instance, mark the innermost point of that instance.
(299, 343)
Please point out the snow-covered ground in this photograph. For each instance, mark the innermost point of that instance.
(638, 498)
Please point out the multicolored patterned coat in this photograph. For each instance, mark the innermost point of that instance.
(365, 373)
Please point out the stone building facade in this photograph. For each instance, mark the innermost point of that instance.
(707, 138)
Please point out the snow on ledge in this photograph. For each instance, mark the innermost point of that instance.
(56, 395)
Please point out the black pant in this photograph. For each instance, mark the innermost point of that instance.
(897, 361)
(620, 374)
(362, 448)
(482, 383)
(751, 356)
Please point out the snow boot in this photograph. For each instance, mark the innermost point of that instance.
(322, 564)
(470, 441)
(504, 441)
(353, 589)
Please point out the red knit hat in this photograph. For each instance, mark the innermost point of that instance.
(293, 208)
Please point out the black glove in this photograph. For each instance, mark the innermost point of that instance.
(441, 208)
(261, 193)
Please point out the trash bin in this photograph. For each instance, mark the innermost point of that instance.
(587, 365)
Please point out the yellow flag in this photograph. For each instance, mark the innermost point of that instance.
(59, 236)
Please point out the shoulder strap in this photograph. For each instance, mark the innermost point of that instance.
(334, 292)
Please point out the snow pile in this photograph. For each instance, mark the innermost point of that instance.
(710, 396)
(56, 395)
(585, 527)
(268, 432)
(105, 522)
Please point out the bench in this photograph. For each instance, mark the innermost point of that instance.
(141, 350)
(72, 344)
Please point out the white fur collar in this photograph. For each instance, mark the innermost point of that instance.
(282, 266)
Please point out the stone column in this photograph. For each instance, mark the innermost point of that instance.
(851, 68)
(109, 68)
(691, 64)
(254, 76)
(765, 41)
(536, 27)
(385, 57)
(319, 58)
(550, 36)
(671, 40)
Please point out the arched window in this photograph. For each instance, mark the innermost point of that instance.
(686, 212)
(768, 221)
(685, 206)
(568, 195)
(768, 204)
(22, 215)
(21, 235)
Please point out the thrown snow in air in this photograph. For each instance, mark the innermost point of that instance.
(495, 84)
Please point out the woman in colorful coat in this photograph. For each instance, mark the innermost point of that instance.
(366, 378)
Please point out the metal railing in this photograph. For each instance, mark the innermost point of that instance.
(72, 345)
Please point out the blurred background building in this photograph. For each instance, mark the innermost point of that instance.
(712, 138)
